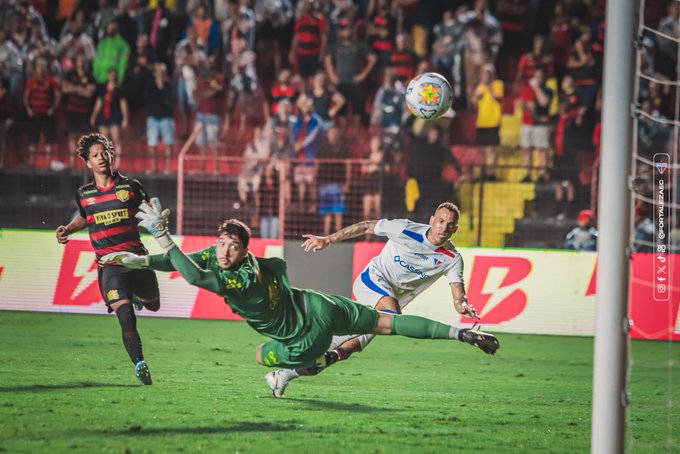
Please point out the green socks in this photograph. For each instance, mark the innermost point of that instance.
(422, 328)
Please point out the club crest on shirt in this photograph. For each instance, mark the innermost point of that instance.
(123, 195)
(112, 295)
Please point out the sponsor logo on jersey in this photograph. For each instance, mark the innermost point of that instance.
(410, 267)
(123, 195)
(111, 216)
(122, 186)
(422, 256)
(90, 200)
(112, 295)
(90, 191)
(233, 283)
(437, 262)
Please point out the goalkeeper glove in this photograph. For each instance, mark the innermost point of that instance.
(155, 220)
(127, 259)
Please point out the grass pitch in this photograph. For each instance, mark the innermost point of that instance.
(66, 384)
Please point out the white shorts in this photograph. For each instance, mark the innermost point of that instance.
(534, 136)
(303, 174)
(370, 286)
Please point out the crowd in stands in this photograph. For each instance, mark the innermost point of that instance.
(298, 79)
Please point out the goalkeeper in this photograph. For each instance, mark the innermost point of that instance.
(300, 322)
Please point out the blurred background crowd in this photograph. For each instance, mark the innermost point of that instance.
(305, 101)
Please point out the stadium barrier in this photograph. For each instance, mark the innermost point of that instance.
(515, 290)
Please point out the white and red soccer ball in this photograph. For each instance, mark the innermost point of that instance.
(429, 96)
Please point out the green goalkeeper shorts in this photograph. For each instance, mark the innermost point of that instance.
(326, 316)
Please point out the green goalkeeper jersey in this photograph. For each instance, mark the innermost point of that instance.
(258, 290)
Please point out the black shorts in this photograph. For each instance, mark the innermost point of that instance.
(355, 96)
(118, 283)
(488, 137)
(41, 125)
(565, 168)
(308, 65)
(78, 122)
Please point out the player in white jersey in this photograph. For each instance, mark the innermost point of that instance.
(415, 256)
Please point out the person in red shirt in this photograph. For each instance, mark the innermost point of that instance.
(309, 40)
(282, 90)
(403, 59)
(208, 93)
(537, 58)
(79, 86)
(41, 98)
(561, 35)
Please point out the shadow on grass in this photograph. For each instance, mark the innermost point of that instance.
(139, 431)
(342, 406)
(59, 386)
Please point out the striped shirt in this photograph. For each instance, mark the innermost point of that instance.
(41, 94)
(110, 214)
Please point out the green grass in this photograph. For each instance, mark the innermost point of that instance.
(66, 385)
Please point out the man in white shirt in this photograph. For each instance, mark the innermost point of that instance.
(415, 256)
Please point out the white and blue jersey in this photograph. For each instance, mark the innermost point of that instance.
(407, 265)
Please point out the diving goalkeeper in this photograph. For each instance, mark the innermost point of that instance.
(300, 322)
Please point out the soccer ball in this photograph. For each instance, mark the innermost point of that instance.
(429, 96)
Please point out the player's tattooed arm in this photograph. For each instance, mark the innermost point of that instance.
(316, 243)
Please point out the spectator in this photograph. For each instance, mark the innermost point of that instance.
(272, 18)
(243, 86)
(78, 21)
(270, 198)
(403, 60)
(104, 14)
(448, 34)
(526, 68)
(426, 168)
(112, 52)
(423, 19)
(40, 46)
(326, 102)
(207, 30)
(110, 112)
(667, 56)
(572, 138)
(127, 26)
(11, 64)
(487, 98)
(582, 68)
(6, 120)
(653, 133)
(306, 134)
(238, 23)
(561, 32)
(160, 25)
(370, 181)
(333, 178)
(348, 64)
(309, 40)
(380, 34)
(283, 89)
(208, 94)
(41, 98)
(584, 236)
(483, 37)
(388, 106)
(280, 129)
(252, 168)
(160, 123)
(246, 23)
(535, 99)
(139, 73)
(189, 54)
(79, 87)
(74, 44)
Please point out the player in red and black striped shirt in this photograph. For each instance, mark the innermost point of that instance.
(107, 207)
